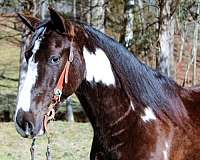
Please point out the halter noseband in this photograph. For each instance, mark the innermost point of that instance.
(60, 84)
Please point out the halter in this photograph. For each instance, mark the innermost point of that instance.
(60, 84)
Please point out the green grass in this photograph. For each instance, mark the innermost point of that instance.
(70, 141)
(9, 67)
(9, 63)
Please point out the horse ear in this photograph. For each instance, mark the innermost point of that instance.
(57, 20)
(29, 21)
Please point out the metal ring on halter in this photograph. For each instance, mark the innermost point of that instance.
(49, 116)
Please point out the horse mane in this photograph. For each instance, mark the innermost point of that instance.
(145, 87)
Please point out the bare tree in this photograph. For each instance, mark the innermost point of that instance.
(195, 45)
(183, 39)
(193, 59)
(129, 22)
(98, 14)
(166, 36)
(70, 115)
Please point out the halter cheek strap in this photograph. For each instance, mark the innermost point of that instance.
(58, 90)
(61, 81)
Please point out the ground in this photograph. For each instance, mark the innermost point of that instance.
(70, 141)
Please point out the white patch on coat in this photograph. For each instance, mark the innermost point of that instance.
(98, 67)
(165, 155)
(36, 46)
(24, 99)
(166, 151)
(148, 115)
(132, 106)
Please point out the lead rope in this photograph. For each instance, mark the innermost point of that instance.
(49, 117)
(48, 152)
(32, 149)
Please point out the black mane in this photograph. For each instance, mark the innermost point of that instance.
(145, 86)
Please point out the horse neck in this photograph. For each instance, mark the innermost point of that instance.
(105, 106)
(147, 88)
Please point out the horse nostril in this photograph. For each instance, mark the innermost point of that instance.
(24, 123)
(19, 118)
(28, 128)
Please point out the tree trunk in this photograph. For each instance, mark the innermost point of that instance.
(194, 52)
(195, 47)
(183, 37)
(43, 9)
(74, 9)
(140, 3)
(98, 14)
(70, 115)
(83, 10)
(166, 39)
(129, 18)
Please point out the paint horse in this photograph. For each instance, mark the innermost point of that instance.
(136, 112)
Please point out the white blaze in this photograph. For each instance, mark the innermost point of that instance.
(148, 115)
(98, 67)
(24, 99)
(36, 46)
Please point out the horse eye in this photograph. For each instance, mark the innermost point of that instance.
(55, 59)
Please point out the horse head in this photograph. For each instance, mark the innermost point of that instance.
(55, 51)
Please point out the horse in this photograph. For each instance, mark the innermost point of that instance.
(136, 112)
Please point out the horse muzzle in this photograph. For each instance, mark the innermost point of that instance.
(26, 126)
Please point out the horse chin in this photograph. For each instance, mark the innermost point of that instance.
(41, 132)
(36, 132)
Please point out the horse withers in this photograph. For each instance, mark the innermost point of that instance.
(136, 112)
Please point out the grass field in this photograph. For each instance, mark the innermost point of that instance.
(70, 141)
(9, 65)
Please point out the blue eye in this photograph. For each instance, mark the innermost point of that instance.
(54, 59)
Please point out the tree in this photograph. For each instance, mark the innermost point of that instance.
(129, 23)
(166, 36)
(97, 11)
(195, 44)
(194, 49)
(70, 115)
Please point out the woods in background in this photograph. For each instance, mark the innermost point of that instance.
(162, 33)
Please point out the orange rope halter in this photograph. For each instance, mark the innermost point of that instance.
(60, 84)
